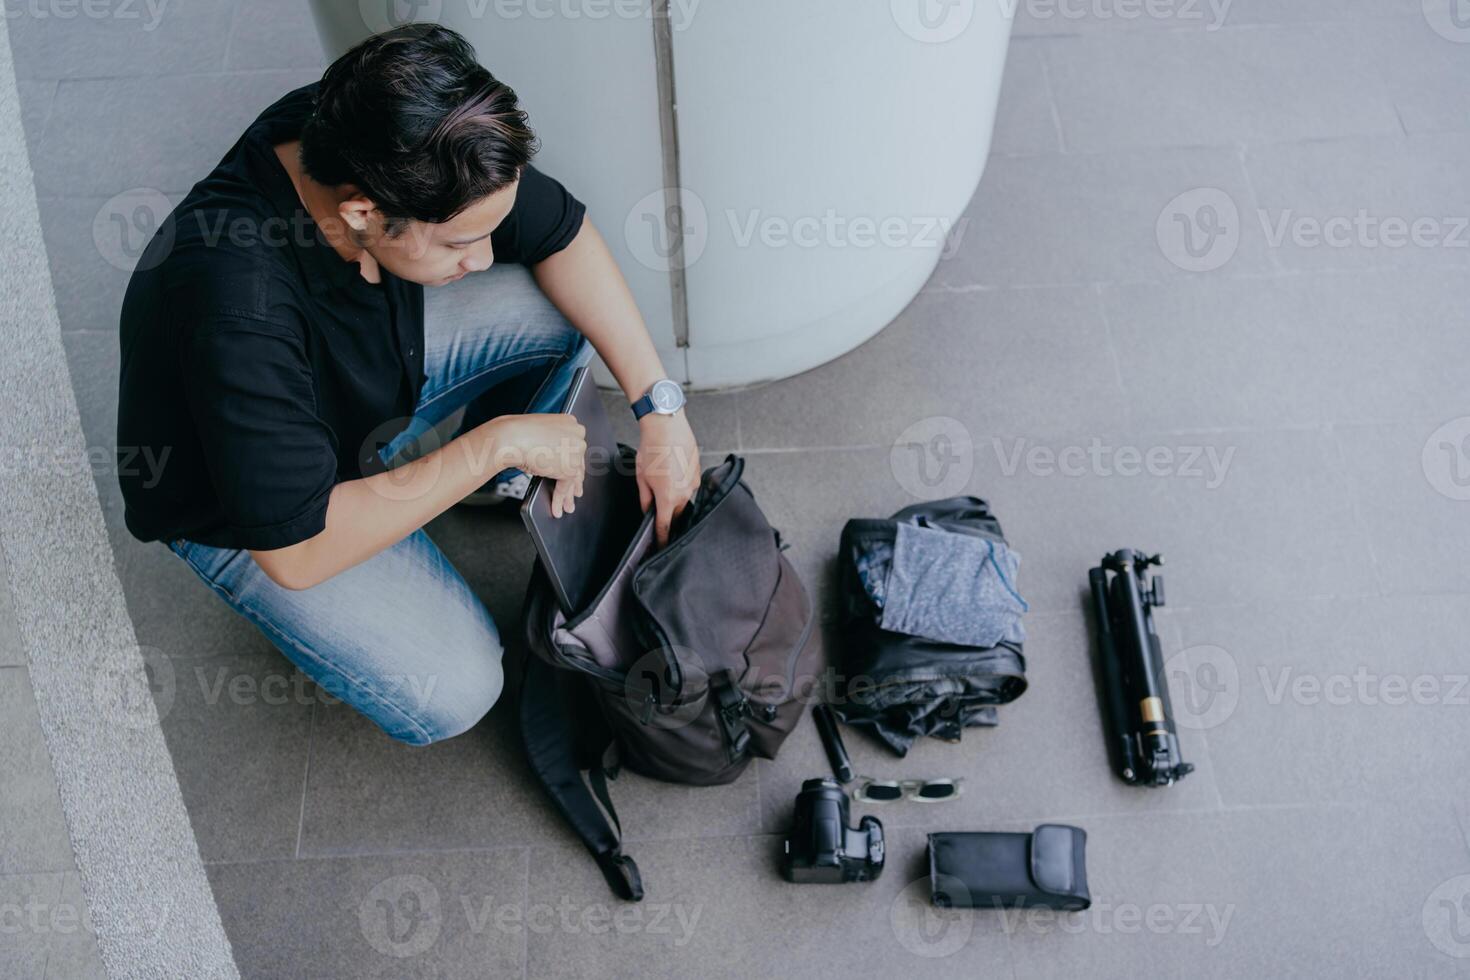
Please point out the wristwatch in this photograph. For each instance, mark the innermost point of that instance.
(665, 397)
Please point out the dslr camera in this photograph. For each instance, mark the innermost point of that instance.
(822, 848)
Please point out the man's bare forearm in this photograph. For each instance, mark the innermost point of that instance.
(584, 283)
(366, 516)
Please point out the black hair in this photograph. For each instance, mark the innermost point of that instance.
(417, 124)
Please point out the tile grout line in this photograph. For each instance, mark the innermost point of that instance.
(739, 396)
(170, 76)
(1102, 312)
(1195, 432)
(526, 901)
(230, 34)
(46, 115)
(305, 778)
(1361, 32)
(489, 849)
(60, 891)
(1242, 152)
(1108, 34)
(760, 810)
(1151, 149)
(1203, 733)
(1052, 104)
(1281, 274)
(1462, 821)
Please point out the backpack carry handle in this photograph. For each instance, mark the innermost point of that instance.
(622, 875)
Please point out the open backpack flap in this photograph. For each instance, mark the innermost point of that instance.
(690, 661)
(931, 622)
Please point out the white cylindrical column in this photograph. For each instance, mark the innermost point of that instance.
(826, 151)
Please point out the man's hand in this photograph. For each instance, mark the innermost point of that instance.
(553, 445)
(668, 468)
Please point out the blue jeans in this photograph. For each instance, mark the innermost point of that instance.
(401, 637)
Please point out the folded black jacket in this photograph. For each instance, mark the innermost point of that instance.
(930, 621)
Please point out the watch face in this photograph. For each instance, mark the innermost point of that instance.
(666, 396)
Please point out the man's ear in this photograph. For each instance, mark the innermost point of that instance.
(358, 212)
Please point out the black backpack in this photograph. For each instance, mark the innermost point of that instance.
(689, 662)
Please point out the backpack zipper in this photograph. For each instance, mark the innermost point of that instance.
(768, 709)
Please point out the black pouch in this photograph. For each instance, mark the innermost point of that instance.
(1043, 869)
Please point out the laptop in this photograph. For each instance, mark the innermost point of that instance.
(580, 550)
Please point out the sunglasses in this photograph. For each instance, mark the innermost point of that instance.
(870, 790)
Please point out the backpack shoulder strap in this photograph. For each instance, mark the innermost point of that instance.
(547, 732)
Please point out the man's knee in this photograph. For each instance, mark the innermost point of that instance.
(452, 699)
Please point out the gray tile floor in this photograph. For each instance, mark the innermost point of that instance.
(1279, 407)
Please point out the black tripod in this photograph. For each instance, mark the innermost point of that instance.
(1136, 697)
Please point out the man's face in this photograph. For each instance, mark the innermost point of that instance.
(436, 254)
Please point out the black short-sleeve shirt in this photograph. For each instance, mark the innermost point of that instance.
(259, 369)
